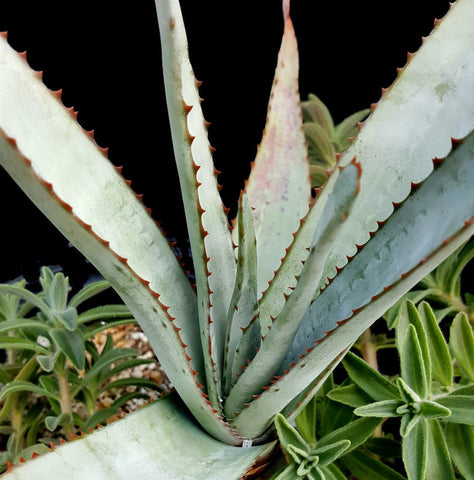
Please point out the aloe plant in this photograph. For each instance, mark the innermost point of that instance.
(281, 296)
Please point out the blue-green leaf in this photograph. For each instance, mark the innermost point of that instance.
(461, 341)
(71, 344)
(460, 439)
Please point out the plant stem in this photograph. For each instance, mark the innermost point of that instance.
(369, 354)
(65, 400)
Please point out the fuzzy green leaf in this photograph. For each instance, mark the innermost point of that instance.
(382, 409)
(351, 395)
(88, 291)
(414, 449)
(71, 344)
(440, 358)
(369, 380)
(288, 435)
(364, 466)
(461, 341)
(306, 421)
(357, 432)
(53, 422)
(24, 386)
(460, 440)
(331, 452)
(438, 465)
(461, 407)
(412, 364)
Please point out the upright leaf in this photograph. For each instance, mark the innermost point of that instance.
(279, 183)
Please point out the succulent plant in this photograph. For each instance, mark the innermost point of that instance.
(281, 296)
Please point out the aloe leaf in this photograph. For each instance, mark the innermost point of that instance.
(242, 338)
(414, 449)
(272, 349)
(428, 104)
(211, 244)
(438, 466)
(460, 439)
(122, 452)
(461, 341)
(282, 162)
(365, 466)
(356, 297)
(82, 193)
(440, 358)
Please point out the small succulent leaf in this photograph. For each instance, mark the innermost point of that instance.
(430, 409)
(463, 390)
(306, 421)
(53, 422)
(460, 406)
(440, 358)
(243, 307)
(47, 362)
(411, 125)
(351, 395)
(320, 147)
(88, 291)
(415, 296)
(364, 466)
(381, 409)
(349, 128)
(408, 422)
(412, 364)
(104, 313)
(23, 323)
(386, 446)
(20, 343)
(356, 432)
(71, 343)
(288, 435)
(287, 473)
(67, 317)
(406, 392)
(461, 341)
(272, 349)
(121, 451)
(460, 440)
(103, 363)
(331, 452)
(389, 258)
(279, 187)
(439, 465)
(100, 417)
(58, 292)
(24, 294)
(368, 379)
(409, 315)
(24, 386)
(138, 382)
(333, 472)
(414, 449)
(315, 111)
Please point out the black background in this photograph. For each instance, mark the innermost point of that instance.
(105, 55)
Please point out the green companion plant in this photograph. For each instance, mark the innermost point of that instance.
(281, 296)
